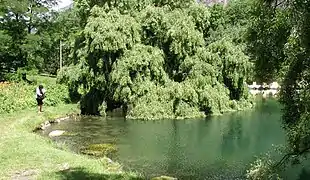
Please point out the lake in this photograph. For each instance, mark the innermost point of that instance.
(219, 147)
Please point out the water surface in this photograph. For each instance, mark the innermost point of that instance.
(219, 147)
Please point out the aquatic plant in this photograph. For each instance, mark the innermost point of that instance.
(100, 150)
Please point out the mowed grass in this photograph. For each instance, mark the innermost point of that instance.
(25, 154)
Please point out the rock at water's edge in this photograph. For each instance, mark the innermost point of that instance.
(164, 178)
(56, 133)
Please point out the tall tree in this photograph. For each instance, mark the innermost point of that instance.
(20, 18)
(291, 52)
(155, 63)
(267, 36)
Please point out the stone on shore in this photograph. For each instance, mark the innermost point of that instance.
(164, 178)
(56, 133)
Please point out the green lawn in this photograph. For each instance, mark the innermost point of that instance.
(24, 154)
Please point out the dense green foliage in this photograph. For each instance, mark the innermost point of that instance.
(295, 94)
(267, 36)
(161, 58)
(280, 35)
(166, 61)
(18, 96)
(125, 53)
(30, 35)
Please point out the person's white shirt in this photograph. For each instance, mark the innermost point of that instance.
(38, 92)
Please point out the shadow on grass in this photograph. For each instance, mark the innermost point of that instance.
(82, 174)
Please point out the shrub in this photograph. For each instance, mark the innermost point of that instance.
(17, 76)
(18, 96)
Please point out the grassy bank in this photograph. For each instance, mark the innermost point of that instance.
(24, 154)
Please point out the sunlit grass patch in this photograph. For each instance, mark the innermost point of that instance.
(26, 154)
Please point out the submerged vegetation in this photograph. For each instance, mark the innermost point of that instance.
(100, 150)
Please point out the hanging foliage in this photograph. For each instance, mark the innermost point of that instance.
(156, 64)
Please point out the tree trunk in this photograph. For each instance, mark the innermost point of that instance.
(17, 17)
(30, 20)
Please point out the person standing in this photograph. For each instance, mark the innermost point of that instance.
(40, 95)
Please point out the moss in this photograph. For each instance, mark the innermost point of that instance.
(100, 150)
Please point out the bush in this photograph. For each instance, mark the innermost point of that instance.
(19, 96)
(17, 76)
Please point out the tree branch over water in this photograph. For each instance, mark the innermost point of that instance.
(287, 156)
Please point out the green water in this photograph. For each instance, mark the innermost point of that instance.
(218, 147)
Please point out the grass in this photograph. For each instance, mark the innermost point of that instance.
(26, 154)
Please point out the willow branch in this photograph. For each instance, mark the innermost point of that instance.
(287, 156)
(280, 3)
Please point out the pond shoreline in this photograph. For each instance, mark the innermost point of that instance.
(48, 123)
(144, 145)
(26, 154)
(52, 121)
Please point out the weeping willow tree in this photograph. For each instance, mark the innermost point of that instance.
(151, 58)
